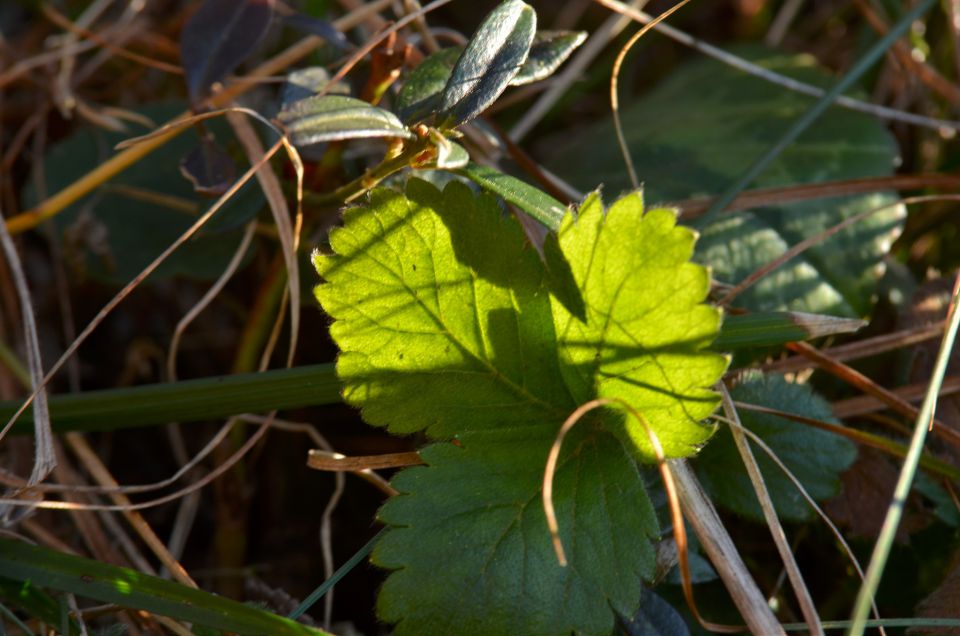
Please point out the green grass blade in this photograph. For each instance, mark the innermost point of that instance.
(315, 385)
(888, 531)
(111, 584)
(188, 400)
(764, 329)
(804, 121)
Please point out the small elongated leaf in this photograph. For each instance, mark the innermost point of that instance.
(538, 204)
(814, 456)
(111, 584)
(337, 117)
(218, 38)
(446, 325)
(186, 400)
(490, 61)
(549, 50)
(420, 95)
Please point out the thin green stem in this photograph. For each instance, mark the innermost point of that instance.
(924, 421)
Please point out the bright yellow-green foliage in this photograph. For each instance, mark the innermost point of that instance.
(449, 323)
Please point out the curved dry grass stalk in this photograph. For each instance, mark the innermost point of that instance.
(45, 459)
(615, 82)
(129, 287)
(881, 112)
(834, 530)
(807, 607)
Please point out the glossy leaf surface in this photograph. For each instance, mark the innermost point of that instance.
(490, 61)
(336, 117)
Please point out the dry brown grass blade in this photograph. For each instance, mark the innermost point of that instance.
(614, 84)
(287, 230)
(122, 160)
(865, 384)
(807, 608)
(930, 76)
(335, 462)
(861, 348)
(866, 404)
(129, 287)
(756, 439)
(44, 459)
(64, 23)
(818, 238)
(102, 475)
(693, 208)
(719, 547)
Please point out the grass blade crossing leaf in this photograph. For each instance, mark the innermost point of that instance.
(218, 37)
(815, 457)
(446, 324)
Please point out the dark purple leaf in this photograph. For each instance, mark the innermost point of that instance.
(218, 37)
(209, 167)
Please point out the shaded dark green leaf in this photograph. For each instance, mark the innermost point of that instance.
(323, 29)
(111, 584)
(218, 38)
(549, 50)
(337, 117)
(655, 617)
(692, 135)
(113, 233)
(209, 168)
(815, 457)
(538, 204)
(420, 95)
(490, 61)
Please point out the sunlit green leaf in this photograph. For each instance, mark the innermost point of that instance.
(549, 50)
(446, 325)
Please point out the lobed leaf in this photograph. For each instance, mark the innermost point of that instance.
(337, 117)
(447, 324)
(490, 61)
(218, 38)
